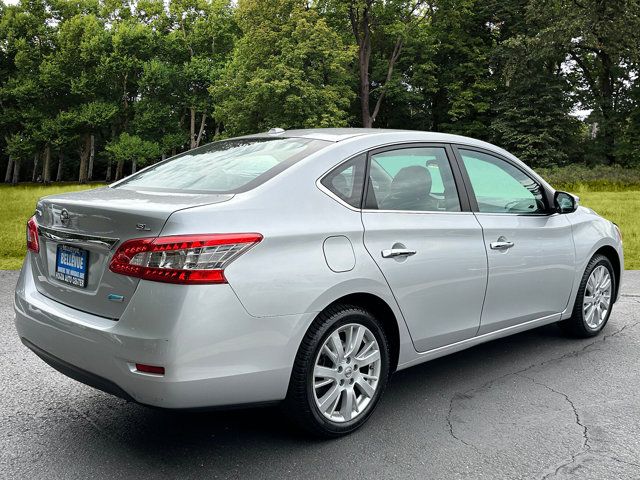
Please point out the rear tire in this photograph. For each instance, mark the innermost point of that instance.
(594, 300)
(340, 372)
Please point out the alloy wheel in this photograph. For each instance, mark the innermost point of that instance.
(597, 297)
(346, 373)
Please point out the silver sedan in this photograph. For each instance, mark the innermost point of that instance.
(305, 267)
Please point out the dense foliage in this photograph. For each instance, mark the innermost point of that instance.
(93, 89)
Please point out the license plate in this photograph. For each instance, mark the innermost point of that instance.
(71, 265)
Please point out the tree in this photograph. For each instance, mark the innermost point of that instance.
(131, 148)
(380, 30)
(290, 69)
(600, 38)
(533, 101)
(201, 44)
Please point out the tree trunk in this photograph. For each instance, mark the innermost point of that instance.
(192, 135)
(46, 165)
(7, 175)
(134, 165)
(35, 167)
(364, 58)
(201, 131)
(164, 156)
(60, 162)
(16, 173)
(108, 177)
(85, 146)
(92, 155)
(361, 28)
(119, 169)
(607, 129)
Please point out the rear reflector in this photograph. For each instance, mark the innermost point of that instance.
(32, 235)
(185, 259)
(141, 367)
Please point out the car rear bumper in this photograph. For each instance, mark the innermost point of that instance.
(214, 353)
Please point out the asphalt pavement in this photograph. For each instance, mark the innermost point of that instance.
(536, 405)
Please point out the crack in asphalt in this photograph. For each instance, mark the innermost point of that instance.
(585, 447)
(625, 462)
(571, 354)
(452, 433)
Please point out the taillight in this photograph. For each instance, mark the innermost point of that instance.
(32, 235)
(186, 259)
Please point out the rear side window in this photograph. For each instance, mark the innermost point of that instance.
(229, 166)
(346, 181)
(412, 179)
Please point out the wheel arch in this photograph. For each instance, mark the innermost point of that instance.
(380, 309)
(610, 253)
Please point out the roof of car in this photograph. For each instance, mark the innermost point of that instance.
(340, 134)
(335, 135)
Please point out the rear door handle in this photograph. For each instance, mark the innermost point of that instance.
(398, 252)
(500, 245)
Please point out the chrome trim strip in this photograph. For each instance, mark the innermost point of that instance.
(76, 238)
(418, 212)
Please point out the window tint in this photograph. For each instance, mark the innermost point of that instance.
(415, 179)
(500, 187)
(346, 181)
(225, 167)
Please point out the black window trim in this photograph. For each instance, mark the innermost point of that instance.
(341, 165)
(548, 195)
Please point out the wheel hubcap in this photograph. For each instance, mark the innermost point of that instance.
(597, 297)
(346, 373)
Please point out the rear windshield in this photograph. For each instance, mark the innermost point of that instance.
(228, 166)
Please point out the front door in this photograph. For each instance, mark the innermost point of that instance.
(426, 242)
(530, 250)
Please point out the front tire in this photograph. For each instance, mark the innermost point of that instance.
(594, 300)
(340, 372)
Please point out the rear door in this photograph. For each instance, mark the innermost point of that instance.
(529, 249)
(429, 246)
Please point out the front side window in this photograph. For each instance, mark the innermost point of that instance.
(412, 179)
(500, 187)
(346, 181)
(229, 166)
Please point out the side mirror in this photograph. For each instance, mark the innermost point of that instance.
(565, 202)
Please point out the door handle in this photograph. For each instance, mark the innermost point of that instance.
(398, 252)
(501, 245)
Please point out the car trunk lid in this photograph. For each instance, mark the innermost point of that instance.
(79, 232)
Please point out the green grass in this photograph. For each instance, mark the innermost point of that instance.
(18, 204)
(621, 206)
(599, 178)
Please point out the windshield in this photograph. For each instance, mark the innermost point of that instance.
(229, 166)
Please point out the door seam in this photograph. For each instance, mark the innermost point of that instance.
(486, 284)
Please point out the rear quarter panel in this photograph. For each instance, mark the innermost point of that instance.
(287, 272)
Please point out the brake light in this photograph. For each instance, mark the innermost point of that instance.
(186, 259)
(32, 235)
